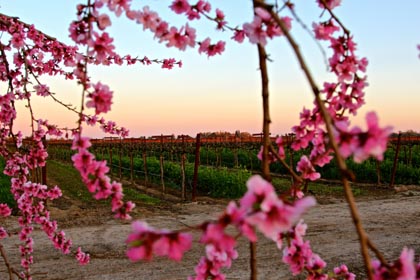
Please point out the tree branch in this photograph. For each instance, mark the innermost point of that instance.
(328, 123)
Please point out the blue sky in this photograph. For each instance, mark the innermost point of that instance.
(223, 93)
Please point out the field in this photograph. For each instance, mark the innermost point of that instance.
(225, 163)
(389, 217)
(159, 177)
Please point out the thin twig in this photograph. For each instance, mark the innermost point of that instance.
(305, 27)
(10, 269)
(377, 253)
(6, 23)
(335, 18)
(296, 177)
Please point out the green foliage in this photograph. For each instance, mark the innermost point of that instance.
(216, 182)
(5, 194)
(225, 167)
(68, 179)
(222, 182)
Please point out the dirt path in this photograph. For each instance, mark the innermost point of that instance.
(391, 222)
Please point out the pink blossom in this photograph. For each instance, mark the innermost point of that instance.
(402, 269)
(343, 271)
(5, 210)
(255, 32)
(330, 3)
(18, 39)
(83, 161)
(100, 99)
(270, 214)
(180, 6)
(203, 6)
(168, 63)
(239, 36)
(324, 31)
(118, 6)
(306, 168)
(124, 208)
(103, 21)
(79, 32)
(376, 142)
(3, 233)
(271, 157)
(181, 39)
(211, 49)
(297, 255)
(151, 20)
(82, 257)
(42, 90)
(101, 47)
(237, 217)
(144, 241)
(263, 14)
(193, 14)
(220, 19)
(173, 245)
(80, 142)
(138, 248)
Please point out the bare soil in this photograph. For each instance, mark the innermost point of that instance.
(391, 220)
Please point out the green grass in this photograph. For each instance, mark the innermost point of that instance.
(134, 195)
(68, 179)
(317, 188)
(5, 194)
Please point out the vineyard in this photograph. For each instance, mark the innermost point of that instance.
(220, 166)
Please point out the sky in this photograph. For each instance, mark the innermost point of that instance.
(222, 93)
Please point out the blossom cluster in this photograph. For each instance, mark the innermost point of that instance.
(94, 176)
(259, 209)
(341, 98)
(26, 55)
(299, 256)
(403, 268)
(145, 241)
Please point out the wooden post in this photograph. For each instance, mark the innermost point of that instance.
(162, 180)
(131, 166)
(394, 167)
(183, 190)
(110, 160)
(378, 171)
(120, 162)
(410, 155)
(207, 154)
(183, 157)
(44, 168)
(145, 167)
(251, 155)
(235, 153)
(196, 165)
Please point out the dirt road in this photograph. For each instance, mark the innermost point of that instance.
(392, 223)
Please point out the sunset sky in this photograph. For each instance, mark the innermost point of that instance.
(222, 93)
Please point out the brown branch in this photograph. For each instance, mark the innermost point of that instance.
(266, 113)
(328, 123)
(7, 23)
(27, 95)
(10, 82)
(377, 253)
(335, 18)
(296, 177)
(305, 27)
(10, 269)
